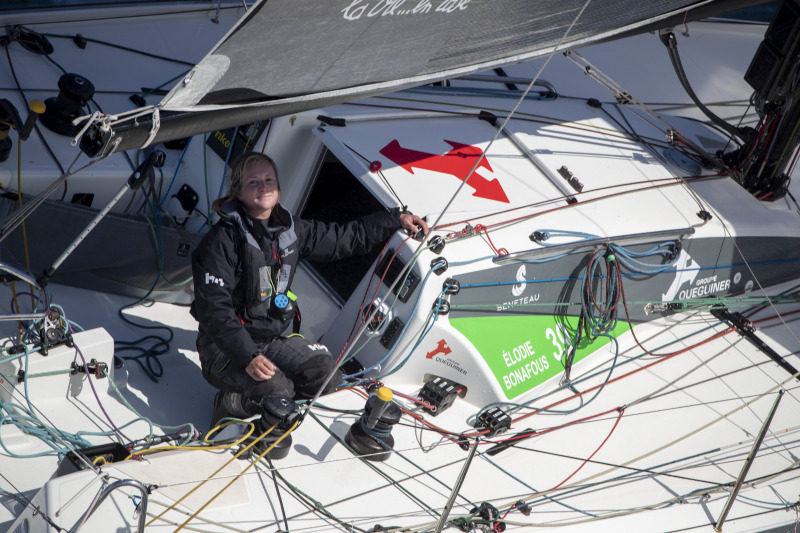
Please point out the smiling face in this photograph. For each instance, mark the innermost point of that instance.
(259, 191)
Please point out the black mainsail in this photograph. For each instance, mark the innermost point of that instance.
(287, 56)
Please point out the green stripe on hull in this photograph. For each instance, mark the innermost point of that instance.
(525, 351)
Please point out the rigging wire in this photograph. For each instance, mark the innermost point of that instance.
(673, 134)
(315, 506)
(36, 126)
(705, 205)
(409, 494)
(244, 450)
(500, 129)
(274, 476)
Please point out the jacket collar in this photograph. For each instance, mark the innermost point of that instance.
(280, 221)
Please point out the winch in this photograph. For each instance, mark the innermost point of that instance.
(281, 412)
(371, 435)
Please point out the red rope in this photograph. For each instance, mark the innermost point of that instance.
(366, 291)
(621, 411)
(498, 251)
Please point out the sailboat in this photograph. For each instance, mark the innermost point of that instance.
(597, 334)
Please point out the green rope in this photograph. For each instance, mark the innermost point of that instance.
(690, 304)
(158, 252)
(37, 374)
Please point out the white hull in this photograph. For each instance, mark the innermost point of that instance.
(654, 427)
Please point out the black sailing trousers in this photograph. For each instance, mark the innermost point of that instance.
(302, 369)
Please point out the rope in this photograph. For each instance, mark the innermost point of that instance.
(241, 452)
(392, 482)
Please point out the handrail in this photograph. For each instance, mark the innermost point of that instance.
(510, 79)
(103, 494)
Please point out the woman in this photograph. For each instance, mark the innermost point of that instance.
(243, 270)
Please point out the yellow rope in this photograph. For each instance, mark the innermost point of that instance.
(252, 463)
(24, 239)
(16, 305)
(240, 452)
(251, 428)
(19, 200)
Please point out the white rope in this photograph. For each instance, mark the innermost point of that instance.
(153, 128)
(93, 118)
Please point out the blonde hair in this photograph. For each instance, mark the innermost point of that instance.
(236, 180)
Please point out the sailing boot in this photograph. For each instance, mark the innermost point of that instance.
(228, 404)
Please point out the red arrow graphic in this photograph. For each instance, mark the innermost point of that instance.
(457, 162)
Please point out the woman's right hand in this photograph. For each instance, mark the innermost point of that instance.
(260, 368)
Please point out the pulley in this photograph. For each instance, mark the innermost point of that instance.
(30, 40)
(487, 514)
(451, 286)
(436, 244)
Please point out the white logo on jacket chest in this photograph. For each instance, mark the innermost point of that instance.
(318, 347)
(214, 279)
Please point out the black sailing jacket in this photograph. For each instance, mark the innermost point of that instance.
(241, 262)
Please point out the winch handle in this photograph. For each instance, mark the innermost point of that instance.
(36, 108)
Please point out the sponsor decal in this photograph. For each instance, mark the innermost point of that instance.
(213, 279)
(458, 162)
(519, 301)
(439, 355)
(524, 351)
(704, 287)
(682, 275)
(517, 290)
(686, 272)
(451, 363)
(386, 8)
(441, 348)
